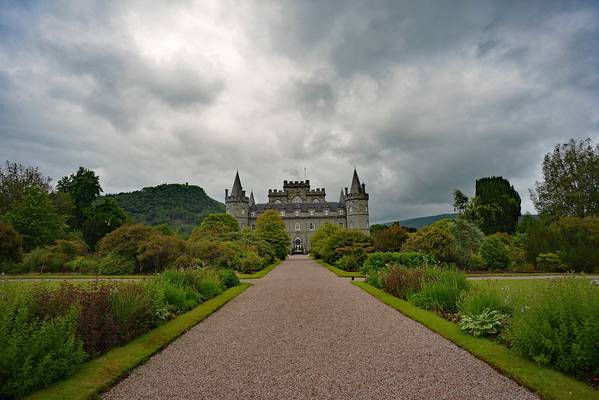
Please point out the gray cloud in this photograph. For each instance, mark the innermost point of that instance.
(422, 97)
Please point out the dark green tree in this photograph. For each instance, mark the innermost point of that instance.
(216, 226)
(11, 244)
(496, 205)
(15, 180)
(36, 219)
(571, 181)
(83, 187)
(100, 219)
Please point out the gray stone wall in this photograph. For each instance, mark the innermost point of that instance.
(357, 215)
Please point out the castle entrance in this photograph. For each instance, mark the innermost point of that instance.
(297, 246)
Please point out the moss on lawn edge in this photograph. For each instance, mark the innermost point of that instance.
(339, 272)
(262, 273)
(548, 383)
(101, 373)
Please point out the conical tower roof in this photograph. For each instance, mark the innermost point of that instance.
(341, 198)
(356, 187)
(236, 192)
(252, 201)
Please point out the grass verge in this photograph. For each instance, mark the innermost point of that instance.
(548, 383)
(339, 272)
(99, 374)
(260, 274)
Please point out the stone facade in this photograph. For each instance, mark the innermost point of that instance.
(303, 209)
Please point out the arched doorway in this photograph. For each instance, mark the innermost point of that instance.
(298, 246)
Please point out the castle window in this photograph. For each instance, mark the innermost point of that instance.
(311, 212)
(351, 209)
(326, 212)
(315, 201)
(366, 208)
(253, 213)
(277, 201)
(297, 212)
(312, 226)
(340, 212)
(297, 199)
(297, 227)
(242, 211)
(282, 213)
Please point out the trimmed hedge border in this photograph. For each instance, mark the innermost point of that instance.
(101, 373)
(262, 273)
(548, 383)
(339, 272)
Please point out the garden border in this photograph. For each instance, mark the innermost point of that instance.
(262, 273)
(339, 272)
(548, 383)
(101, 373)
(66, 276)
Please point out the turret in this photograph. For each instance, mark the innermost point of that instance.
(356, 205)
(238, 204)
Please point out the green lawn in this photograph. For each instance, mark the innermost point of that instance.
(99, 374)
(548, 383)
(260, 274)
(339, 272)
(511, 284)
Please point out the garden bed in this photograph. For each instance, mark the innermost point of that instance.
(339, 272)
(98, 375)
(548, 383)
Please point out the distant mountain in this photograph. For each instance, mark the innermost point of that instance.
(182, 207)
(423, 221)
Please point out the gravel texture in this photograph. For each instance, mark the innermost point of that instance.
(301, 333)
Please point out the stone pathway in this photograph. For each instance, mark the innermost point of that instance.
(303, 333)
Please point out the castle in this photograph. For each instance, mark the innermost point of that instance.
(303, 209)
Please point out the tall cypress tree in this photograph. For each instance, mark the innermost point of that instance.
(496, 205)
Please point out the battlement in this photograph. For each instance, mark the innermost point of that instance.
(318, 191)
(277, 192)
(296, 184)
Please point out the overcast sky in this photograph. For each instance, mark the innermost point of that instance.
(421, 96)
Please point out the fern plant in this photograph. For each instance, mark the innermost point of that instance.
(489, 322)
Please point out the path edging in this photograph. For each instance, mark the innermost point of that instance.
(99, 374)
(547, 383)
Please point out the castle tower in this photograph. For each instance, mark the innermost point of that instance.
(356, 204)
(238, 204)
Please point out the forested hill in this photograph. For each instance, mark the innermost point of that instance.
(181, 207)
(423, 221)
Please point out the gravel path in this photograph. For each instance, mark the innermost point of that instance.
(301, 333)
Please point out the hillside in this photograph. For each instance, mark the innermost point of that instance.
(423, 221)
(181, 207)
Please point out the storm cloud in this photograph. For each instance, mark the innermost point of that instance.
(422, 97)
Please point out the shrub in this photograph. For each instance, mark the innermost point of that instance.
(250, 261)
(11, 244)
(351, 262)
(401, 281)
(82, 264)
(476, 300)
(380, 260)
(389, 238)
(158, 251)
(250, 239)
(228, 278)
(441, 289)
(468, 238)
(494, 252)
(489, 322)
(319, 242)
(126, 240)
(35, 352)
(577, 239)
(185, 261)
(216, 253)
(53, 258)
(116, 264)
(550, 262)
(558, 325)
(433, 240)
